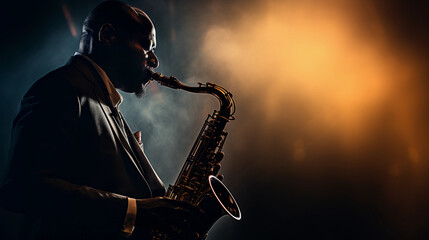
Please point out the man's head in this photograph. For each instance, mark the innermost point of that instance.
(121, 39)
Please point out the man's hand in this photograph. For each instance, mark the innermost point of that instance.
(173, 217)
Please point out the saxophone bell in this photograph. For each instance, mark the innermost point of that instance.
(216, 202)
(225, 198)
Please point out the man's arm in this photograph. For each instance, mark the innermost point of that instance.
(43, 137)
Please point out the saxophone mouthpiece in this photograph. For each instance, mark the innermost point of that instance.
(171, 81)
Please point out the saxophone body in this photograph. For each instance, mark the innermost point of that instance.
(196, 183)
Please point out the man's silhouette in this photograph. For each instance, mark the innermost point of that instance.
(77, 171)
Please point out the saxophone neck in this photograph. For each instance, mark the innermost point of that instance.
(227, 104)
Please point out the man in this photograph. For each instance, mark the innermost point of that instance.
(77, 171)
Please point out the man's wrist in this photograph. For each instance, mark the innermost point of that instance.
(130, 218)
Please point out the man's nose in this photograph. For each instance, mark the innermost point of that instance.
(153, 60)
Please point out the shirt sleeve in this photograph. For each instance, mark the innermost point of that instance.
(130, 218)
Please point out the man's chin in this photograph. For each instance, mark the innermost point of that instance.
(140, 92)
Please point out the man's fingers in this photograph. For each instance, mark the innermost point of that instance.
(185, 207)
(172, 216)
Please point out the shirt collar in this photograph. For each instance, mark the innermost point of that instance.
(114, 95)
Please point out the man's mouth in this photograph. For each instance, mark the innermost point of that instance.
(149, 71)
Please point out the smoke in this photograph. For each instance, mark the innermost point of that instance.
(169, 121)
(326, 100)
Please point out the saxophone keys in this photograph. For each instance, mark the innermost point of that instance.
(216, 168)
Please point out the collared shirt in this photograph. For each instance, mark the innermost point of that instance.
(116, 98)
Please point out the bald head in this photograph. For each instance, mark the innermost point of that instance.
(121, 40)
(125, 19)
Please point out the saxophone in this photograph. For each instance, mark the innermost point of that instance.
(196, 183)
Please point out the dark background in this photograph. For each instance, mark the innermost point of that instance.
(331, 134)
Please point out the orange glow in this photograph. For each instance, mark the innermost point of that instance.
(317, 58)
(323, 92)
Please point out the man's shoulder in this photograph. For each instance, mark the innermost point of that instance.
(66, 79)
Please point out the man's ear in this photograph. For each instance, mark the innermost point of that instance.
(107, 34)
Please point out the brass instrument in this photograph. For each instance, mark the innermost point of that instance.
(196, 183)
